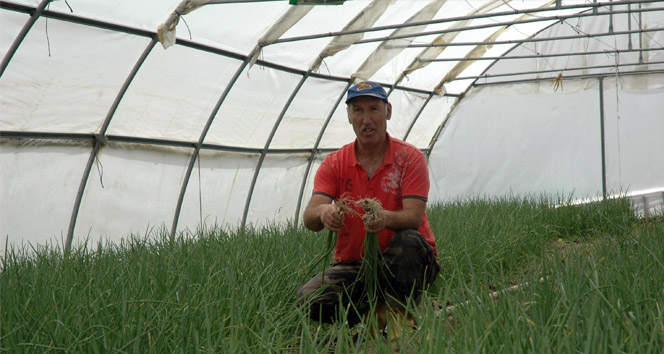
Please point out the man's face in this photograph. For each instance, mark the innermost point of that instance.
(369, 116)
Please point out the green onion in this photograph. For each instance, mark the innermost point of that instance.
(372, 254)
(370, 266)
(331, 242)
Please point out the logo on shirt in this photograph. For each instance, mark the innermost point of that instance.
(391, 182)
(347, 184)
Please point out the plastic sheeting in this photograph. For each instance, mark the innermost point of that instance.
(55, 88)
(130, 190)
(219, 194)
(551, 147)
(554, 147)
(36, 207)
(307, 114)
(170, 101)
(634, 161)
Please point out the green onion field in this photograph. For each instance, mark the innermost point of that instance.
(517, 276)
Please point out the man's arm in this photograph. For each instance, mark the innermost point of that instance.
(321, 213)
(410, 217)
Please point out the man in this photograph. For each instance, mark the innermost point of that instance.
(378, 166)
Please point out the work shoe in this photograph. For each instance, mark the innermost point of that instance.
(393, 321)
(399, 323)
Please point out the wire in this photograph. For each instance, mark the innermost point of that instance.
(617, 61)
(538, 53)
(579, 31)
(185, 23)
(571, 45)
(327, 67)
(70, 9)
(100, 168)
(647, 33)
(48, 41)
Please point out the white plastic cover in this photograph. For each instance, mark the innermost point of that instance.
(554, 146)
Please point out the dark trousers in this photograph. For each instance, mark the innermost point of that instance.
(407, 268)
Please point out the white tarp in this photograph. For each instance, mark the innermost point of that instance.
(552, 144)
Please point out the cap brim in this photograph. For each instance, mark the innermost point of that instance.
(367, 94)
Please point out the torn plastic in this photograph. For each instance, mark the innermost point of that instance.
(365, 19)
(391, 48)
(430, 53)
(166, 30)
(285, 22)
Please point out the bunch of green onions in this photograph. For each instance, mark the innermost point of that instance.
(370, 268)
(344, 208)
(325, 256)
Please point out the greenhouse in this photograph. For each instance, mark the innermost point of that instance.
(122, 116)
(160, 161)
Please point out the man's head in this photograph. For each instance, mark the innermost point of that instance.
(368, 111)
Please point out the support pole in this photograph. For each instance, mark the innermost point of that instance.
(194, 156)
(629, 26)
(100, 139)
(314, 151)
(601, 124)
(640, 35)
(417, 116)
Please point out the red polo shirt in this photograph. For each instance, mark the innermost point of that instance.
(402, 174)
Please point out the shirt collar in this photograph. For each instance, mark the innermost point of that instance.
(387, 160)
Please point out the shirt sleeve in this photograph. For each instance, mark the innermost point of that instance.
(325, 181)
(415, 182)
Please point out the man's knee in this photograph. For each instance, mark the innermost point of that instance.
(411, 264)
(408, 248)
(327, 300)
(305, 290)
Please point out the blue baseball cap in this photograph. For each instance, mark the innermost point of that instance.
(366, 88)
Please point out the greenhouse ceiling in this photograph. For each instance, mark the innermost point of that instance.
(119, 116)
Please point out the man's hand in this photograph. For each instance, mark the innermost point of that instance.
(378, 223)
(321, 213)
(332, 217)
(410, 217)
